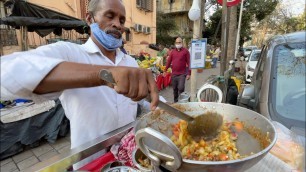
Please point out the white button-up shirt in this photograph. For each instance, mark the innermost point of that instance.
(92, 111)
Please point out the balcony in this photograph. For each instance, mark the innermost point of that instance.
(174, 10)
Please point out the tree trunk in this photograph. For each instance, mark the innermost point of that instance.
(232, 34)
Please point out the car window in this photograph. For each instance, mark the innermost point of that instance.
(257, 81)
(261, 63)
(289, 83)
(255, 56)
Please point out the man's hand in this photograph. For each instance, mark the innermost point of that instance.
(135, 83)
(188, 77)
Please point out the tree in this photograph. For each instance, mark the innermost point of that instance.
(254, 10)
(280, 21)
(232, 33)
(302, 21)
(165, 26)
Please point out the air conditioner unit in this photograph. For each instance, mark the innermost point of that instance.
(146, 30)
(138, 28)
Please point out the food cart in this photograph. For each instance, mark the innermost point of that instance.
(261, 161)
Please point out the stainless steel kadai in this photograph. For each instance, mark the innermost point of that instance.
(202, 125)
(153, 132)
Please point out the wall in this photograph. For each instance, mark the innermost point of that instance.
(137, 16)
(68, 7)
(179, 10)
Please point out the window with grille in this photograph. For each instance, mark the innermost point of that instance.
(146, 5)
(127, 34)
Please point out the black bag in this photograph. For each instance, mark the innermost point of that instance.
(232, 92)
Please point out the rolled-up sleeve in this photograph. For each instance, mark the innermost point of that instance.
(21, 72)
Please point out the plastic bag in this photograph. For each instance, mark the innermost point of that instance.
(289, 147)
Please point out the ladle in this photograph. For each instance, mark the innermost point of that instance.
(205, 126)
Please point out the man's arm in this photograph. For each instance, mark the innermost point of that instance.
(131, 82)
(34, 73)
(169, 61)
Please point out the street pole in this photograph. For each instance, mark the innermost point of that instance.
(238, 31)
(24, 38)
(1, 48)
(223, 38)
(197, 34)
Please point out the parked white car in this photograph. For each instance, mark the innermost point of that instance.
(247, 51)
(251, 64)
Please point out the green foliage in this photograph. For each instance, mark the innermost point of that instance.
(165, 26)
(253, 9)
(301, 21)
(281, 22)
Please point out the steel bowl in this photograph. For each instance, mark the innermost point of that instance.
(137, 153)
(153, 132)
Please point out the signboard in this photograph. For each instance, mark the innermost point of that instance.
(230, 3)
(198, 53)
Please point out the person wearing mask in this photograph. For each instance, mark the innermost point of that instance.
(178, 59)
(71, 72)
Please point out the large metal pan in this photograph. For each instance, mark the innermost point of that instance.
(153, 132)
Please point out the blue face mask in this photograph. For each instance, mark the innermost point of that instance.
(109, 42)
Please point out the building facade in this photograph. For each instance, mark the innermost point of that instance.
(140, 23)
(178, 9)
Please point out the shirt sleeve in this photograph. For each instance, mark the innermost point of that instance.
(21, 72)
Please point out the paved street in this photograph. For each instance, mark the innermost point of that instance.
(46, 150)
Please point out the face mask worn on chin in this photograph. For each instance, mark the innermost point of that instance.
(178, 46)
(109, 42)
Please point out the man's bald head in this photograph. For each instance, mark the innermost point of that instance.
(178, 39)
(96, 5)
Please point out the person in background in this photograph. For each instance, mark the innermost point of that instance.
(162, 53)
(168, 53)
(216, 55)
(178, 59)
(71, 72)
(165, 56)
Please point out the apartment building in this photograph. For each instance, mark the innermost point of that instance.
(140, 24)
(178, 9)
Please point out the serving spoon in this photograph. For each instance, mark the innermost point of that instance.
(204, 126)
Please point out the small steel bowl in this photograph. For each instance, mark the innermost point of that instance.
(137, 153)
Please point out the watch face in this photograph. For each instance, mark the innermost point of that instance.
(107, 76)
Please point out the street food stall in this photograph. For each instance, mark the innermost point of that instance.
(155, 137)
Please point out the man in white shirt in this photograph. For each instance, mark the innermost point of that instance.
(71, 72)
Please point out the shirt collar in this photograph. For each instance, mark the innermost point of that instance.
(91, 47)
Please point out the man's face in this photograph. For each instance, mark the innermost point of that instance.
(111, 17)
(178, 41)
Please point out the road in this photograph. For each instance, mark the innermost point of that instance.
(200, 80)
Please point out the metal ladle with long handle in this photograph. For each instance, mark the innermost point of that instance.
(205, 125)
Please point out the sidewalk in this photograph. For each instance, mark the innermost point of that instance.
(47, 150)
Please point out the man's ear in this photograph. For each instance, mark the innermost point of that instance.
(89, 19)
